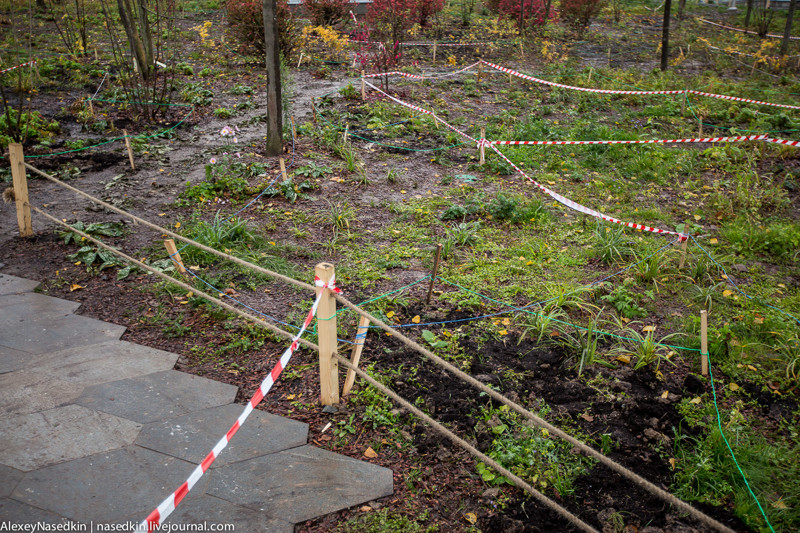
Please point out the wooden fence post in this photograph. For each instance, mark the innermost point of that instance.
(434, 52)
(172, 250)
(326, 334)
(483, 136)
(704, 342)
(434, 271)
(361, 339)
(283, 169)
(363, 87)
(20, 182)
(294, 135)
(684, 246)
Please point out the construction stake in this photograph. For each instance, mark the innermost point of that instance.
(704, 342)
(434, 271)
(326, 333)
(169, 244)
(20, 182)
(684, 246)
(128, 146)
(363, 87)
(294, 134)
(355, 357)
(283, 169)
(483, 136)
(434, 52)
(300, 60)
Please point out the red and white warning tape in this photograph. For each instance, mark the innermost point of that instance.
(31, 62)
(417, 77)
(739, 138)
(562, 199)
(774, 36)
(614, 91)
(782, 141)
(166, 507)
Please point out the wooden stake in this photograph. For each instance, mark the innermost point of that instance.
(700, 124)
(354, 61)
(434, 52)
(344, 135)
(684, 246)
(283, 168)
(294, 134)
(590, 76)
(355, 357)
(314, 111)
(609, 57)
(363, 87)
(683, 102)
(483, 136)
(510, 79)
(169, 244)
(91, 108)
(433, 272)
(326, 334)
(480, 71)
(20, 182)
(300, 60)
(704, 342)
(95, 54)
(128, 146)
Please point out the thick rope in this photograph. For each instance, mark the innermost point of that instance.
(547, 502)
(172, 234)
(179, 283)
(585, 449)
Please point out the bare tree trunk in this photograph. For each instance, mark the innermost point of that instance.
(748, 13)
(135, 33)
(665, 35)
(788, 31)
(681, 6)
(274, 111)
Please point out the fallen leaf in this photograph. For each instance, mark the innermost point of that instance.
(734, 387)
(781, 285)
(727, 293)
(695, 400)
(665, 394)
(503, 332)
(74, 287)
(390, 314)
(506, 322)
(624, 359)
(713, 241)
(365, 508)
(697, 217)
(291, 396)
(230, 291)
(587, 417)
(648, 329)
(473, 518)
(672, 462)
(751, 367)
(778, 504)
(415, 320)
(177, 225)
(758, 320)
(370, 453)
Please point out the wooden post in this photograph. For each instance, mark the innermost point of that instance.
(704, 342)
(590, 76)
(363, 87)
(128, 146)
(483, 136)
(355, 357)
(294, 134)
(314, 110)
(344, 135)
(20, 182)
(434, 52)
(169, 244)
(700, 125)
(91, 109)
(283, 168)
(480, 71)
(683, 102)
(300, 60)
(326, 334)
(434, 271)
(684, 246)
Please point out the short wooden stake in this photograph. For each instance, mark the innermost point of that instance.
(355, 357)
(169, 244)
(483, 136)
(354, 61)
(314, 111)
(590, 76)
(283, 168)
(326, 334)
(363, 87)
(20, 183)
(128, 146)
(609, 57)
(433, 272)
(704, 342)
(434, 52)
(95, 54)
(684, 246)
(91, 108)
(700, 126)
(294, 134)
(480, 71)
(300, 60)
(683, 102)
(344, 135)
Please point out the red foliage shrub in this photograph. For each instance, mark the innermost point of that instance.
(533, 11)
(579, 13)
(246, 19)
(393, 17)
(326, 12)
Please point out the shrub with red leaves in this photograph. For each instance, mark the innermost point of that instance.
(246, 19)
(392, 18)
(579, 13)
(326, 12)
(533, 12)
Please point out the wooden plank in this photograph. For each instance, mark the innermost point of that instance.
(360, 340)
(704, 342)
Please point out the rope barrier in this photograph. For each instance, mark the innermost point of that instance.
(170, 279)
(172, 234)
(442, 430)
(750, 32)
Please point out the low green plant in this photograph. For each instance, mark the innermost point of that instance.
(239, 89)
(291, 191)
(221, 233)
(645, 348)
(623, 299)
(312, 170)
(539, 324)
(95, 229)
(349, 92)
(223, 112)
(26, 126)
(339, 216)
(611, 243)
(196, 94)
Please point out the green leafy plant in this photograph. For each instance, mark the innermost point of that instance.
(339, 216)
(291, 191)
(611, 244)
(312, 170)
(95, 229)
(223, 112)
(624, 301)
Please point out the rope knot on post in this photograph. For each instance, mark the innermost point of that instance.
(330, 285)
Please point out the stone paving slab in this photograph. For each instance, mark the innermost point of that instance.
(26, 306)
(61, 434)
(216, 511)
(301, 483)
(12, 284)
(14, 512)
(9, 477)
(121, 485)
(27, 391)
(12, 360)
(39, 334)
(101, 363)
(157, 396)
(191, 437)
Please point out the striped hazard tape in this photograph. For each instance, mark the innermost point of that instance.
(739, 138)
(157, 517)
(562, 199)
(751, 32)
(615, 91)
(31, 62)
